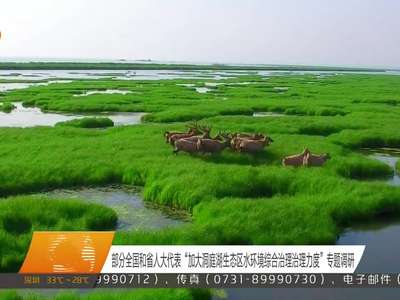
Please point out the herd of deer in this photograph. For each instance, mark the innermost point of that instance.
(198, 140)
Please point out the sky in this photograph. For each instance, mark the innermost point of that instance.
(308, 32)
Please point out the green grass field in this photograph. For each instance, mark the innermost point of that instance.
(88, 122)
(234, 198)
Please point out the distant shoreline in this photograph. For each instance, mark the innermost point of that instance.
(157, 66)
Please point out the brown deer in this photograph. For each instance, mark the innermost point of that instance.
(193, 128)
(253, 146)
(237, 138)
(185, 146)
(252, 136)
(205, 135)
(212, 145)
(195, 131)
(296, 160)
(168, 134)
(314, 160)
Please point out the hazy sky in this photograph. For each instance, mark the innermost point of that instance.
(339, 32)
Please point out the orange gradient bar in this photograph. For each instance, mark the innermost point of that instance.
(67, 252)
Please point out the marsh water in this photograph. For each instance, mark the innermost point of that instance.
(32, 116)
(390, 157)
(382, 240)
(23, 85)
(51, 75)
(133, 213)
(105, 92)
(40, 75)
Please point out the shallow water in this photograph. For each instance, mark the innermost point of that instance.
(202, 90)
(115, 74)
(389, 157)
(107, 92)
(281, 89)
(213, 84)
(22, 85)
(132, 212)
(15, 86)
(157, 74)
(33, 116)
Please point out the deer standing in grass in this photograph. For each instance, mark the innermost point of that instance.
(296, 160)
(314, 160)
(213, 145)
(189, 143)
(237, 138)
(194, 130)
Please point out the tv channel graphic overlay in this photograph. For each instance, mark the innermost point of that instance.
(93, 253)
(67, 252)
(88, 260)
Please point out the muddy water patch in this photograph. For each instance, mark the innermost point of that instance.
(133, 213)
(32, 116)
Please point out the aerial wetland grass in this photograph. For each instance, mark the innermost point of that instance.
(88, 122)
(234, 198)
(6, 107)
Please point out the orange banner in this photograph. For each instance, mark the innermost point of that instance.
(67, 252)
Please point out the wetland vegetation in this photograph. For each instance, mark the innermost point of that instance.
(233, 198)
(7, 107)
(87, 122)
